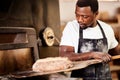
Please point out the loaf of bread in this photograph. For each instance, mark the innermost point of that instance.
(52, 64)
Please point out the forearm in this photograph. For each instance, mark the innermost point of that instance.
(105, 57)
(68, 51)
(76, 56)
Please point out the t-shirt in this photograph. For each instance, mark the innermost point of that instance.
(70, 35)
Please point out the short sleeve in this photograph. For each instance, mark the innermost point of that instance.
(113, 40)
(67, 36)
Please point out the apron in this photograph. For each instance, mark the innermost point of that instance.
(100, 71)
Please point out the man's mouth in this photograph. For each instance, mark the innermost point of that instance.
(83, 26)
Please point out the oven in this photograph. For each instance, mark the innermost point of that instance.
(18, 50)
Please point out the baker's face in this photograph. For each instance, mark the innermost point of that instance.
(85, 16)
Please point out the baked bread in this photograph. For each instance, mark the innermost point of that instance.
(52, 64)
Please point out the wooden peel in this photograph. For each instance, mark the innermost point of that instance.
(116, 57)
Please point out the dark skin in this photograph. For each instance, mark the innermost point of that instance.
(85, 17)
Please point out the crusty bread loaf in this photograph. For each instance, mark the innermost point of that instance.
(52, 64)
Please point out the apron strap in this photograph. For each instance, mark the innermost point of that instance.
(101, 30)
(80, 36)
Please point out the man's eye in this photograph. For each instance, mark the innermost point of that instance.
(77, 15)
(82, 16)
(85, 16)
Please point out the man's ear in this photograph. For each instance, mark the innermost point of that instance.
(97, 12)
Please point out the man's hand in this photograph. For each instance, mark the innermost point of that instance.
(105, 57)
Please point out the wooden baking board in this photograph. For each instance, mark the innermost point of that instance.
(77, 65)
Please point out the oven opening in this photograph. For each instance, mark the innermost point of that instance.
(18, 49)
(15, 60)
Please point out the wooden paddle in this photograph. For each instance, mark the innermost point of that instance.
(116, 57)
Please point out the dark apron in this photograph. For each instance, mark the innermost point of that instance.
(99, 71)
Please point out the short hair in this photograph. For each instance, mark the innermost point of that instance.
(92, 3)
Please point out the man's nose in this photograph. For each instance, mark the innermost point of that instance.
(80, 19)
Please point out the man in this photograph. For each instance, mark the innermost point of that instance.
(88, 38)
